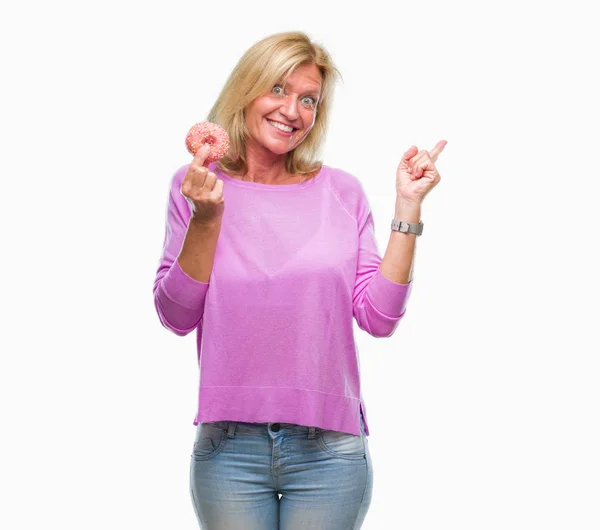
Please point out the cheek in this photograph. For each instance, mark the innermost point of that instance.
(310, 122)
(257, 110)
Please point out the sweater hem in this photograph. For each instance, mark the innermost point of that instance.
(281, 404)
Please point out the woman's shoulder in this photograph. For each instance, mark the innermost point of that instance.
(348, 187)
(342, 178)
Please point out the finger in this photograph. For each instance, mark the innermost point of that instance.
(416, 160)
(198, 176)
(217, 191)
(423, 164)
(201, 154)
(426, 165)
(415, 171)
(438, 148)
(412, 151)
(210, 181)
(420, 158)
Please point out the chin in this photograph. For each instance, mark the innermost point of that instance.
(279, 149)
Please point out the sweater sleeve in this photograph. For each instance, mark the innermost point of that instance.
(378, 303)
(178, 298)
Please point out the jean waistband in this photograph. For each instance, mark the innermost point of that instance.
(288, 427)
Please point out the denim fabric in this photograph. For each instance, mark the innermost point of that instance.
(238, 470)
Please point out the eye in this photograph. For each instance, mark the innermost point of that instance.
(309, 101)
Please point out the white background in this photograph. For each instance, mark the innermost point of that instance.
(483, 406)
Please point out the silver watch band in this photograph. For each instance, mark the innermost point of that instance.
(411, 228)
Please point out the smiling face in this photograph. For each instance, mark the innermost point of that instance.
(295, 105)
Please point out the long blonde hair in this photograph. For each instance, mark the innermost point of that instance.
(262, 66)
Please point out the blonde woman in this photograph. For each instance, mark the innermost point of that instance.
(269, 255)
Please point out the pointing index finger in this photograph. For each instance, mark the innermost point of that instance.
(439, 147)
(202, 153)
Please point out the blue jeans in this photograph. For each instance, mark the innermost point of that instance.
(237, 470)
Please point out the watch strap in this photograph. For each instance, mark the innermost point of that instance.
(411, 228)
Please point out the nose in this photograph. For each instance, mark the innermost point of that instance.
(289, 108)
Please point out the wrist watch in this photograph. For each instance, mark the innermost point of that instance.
(411, 228)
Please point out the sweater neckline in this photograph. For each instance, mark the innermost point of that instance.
(272, 187)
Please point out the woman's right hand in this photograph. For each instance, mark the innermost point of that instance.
(203, 190)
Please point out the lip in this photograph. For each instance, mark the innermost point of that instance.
(283, 133)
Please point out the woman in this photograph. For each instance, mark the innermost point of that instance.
(271, 284)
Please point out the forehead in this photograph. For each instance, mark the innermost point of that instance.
(305, 78)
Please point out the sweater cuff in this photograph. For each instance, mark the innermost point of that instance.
(388, 297)
(183, 289)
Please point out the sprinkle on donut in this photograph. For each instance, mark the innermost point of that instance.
(207, 132)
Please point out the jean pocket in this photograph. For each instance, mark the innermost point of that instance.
(209, 441)
(342, 444)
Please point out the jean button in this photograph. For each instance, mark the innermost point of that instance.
(275, 427)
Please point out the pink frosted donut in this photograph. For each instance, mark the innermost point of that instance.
(212, 133)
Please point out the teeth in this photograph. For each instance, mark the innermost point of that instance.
(280, 126)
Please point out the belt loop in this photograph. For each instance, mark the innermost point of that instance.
(312, 432)
(231, 429)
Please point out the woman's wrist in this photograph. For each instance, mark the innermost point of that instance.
(406, 211)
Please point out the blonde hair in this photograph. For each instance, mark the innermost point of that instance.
(260, 68)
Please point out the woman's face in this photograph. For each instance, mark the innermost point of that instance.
(294, 105)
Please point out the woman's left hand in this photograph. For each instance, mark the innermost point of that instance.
(416, 175)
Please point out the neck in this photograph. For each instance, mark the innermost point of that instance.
(264, 166)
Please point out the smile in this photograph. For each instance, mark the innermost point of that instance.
(283, 129)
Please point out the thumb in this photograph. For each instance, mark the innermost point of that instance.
(412, 150)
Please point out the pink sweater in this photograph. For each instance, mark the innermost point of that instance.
(294, 264)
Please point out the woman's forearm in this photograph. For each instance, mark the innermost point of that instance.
(197, 255)
(398, 260)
